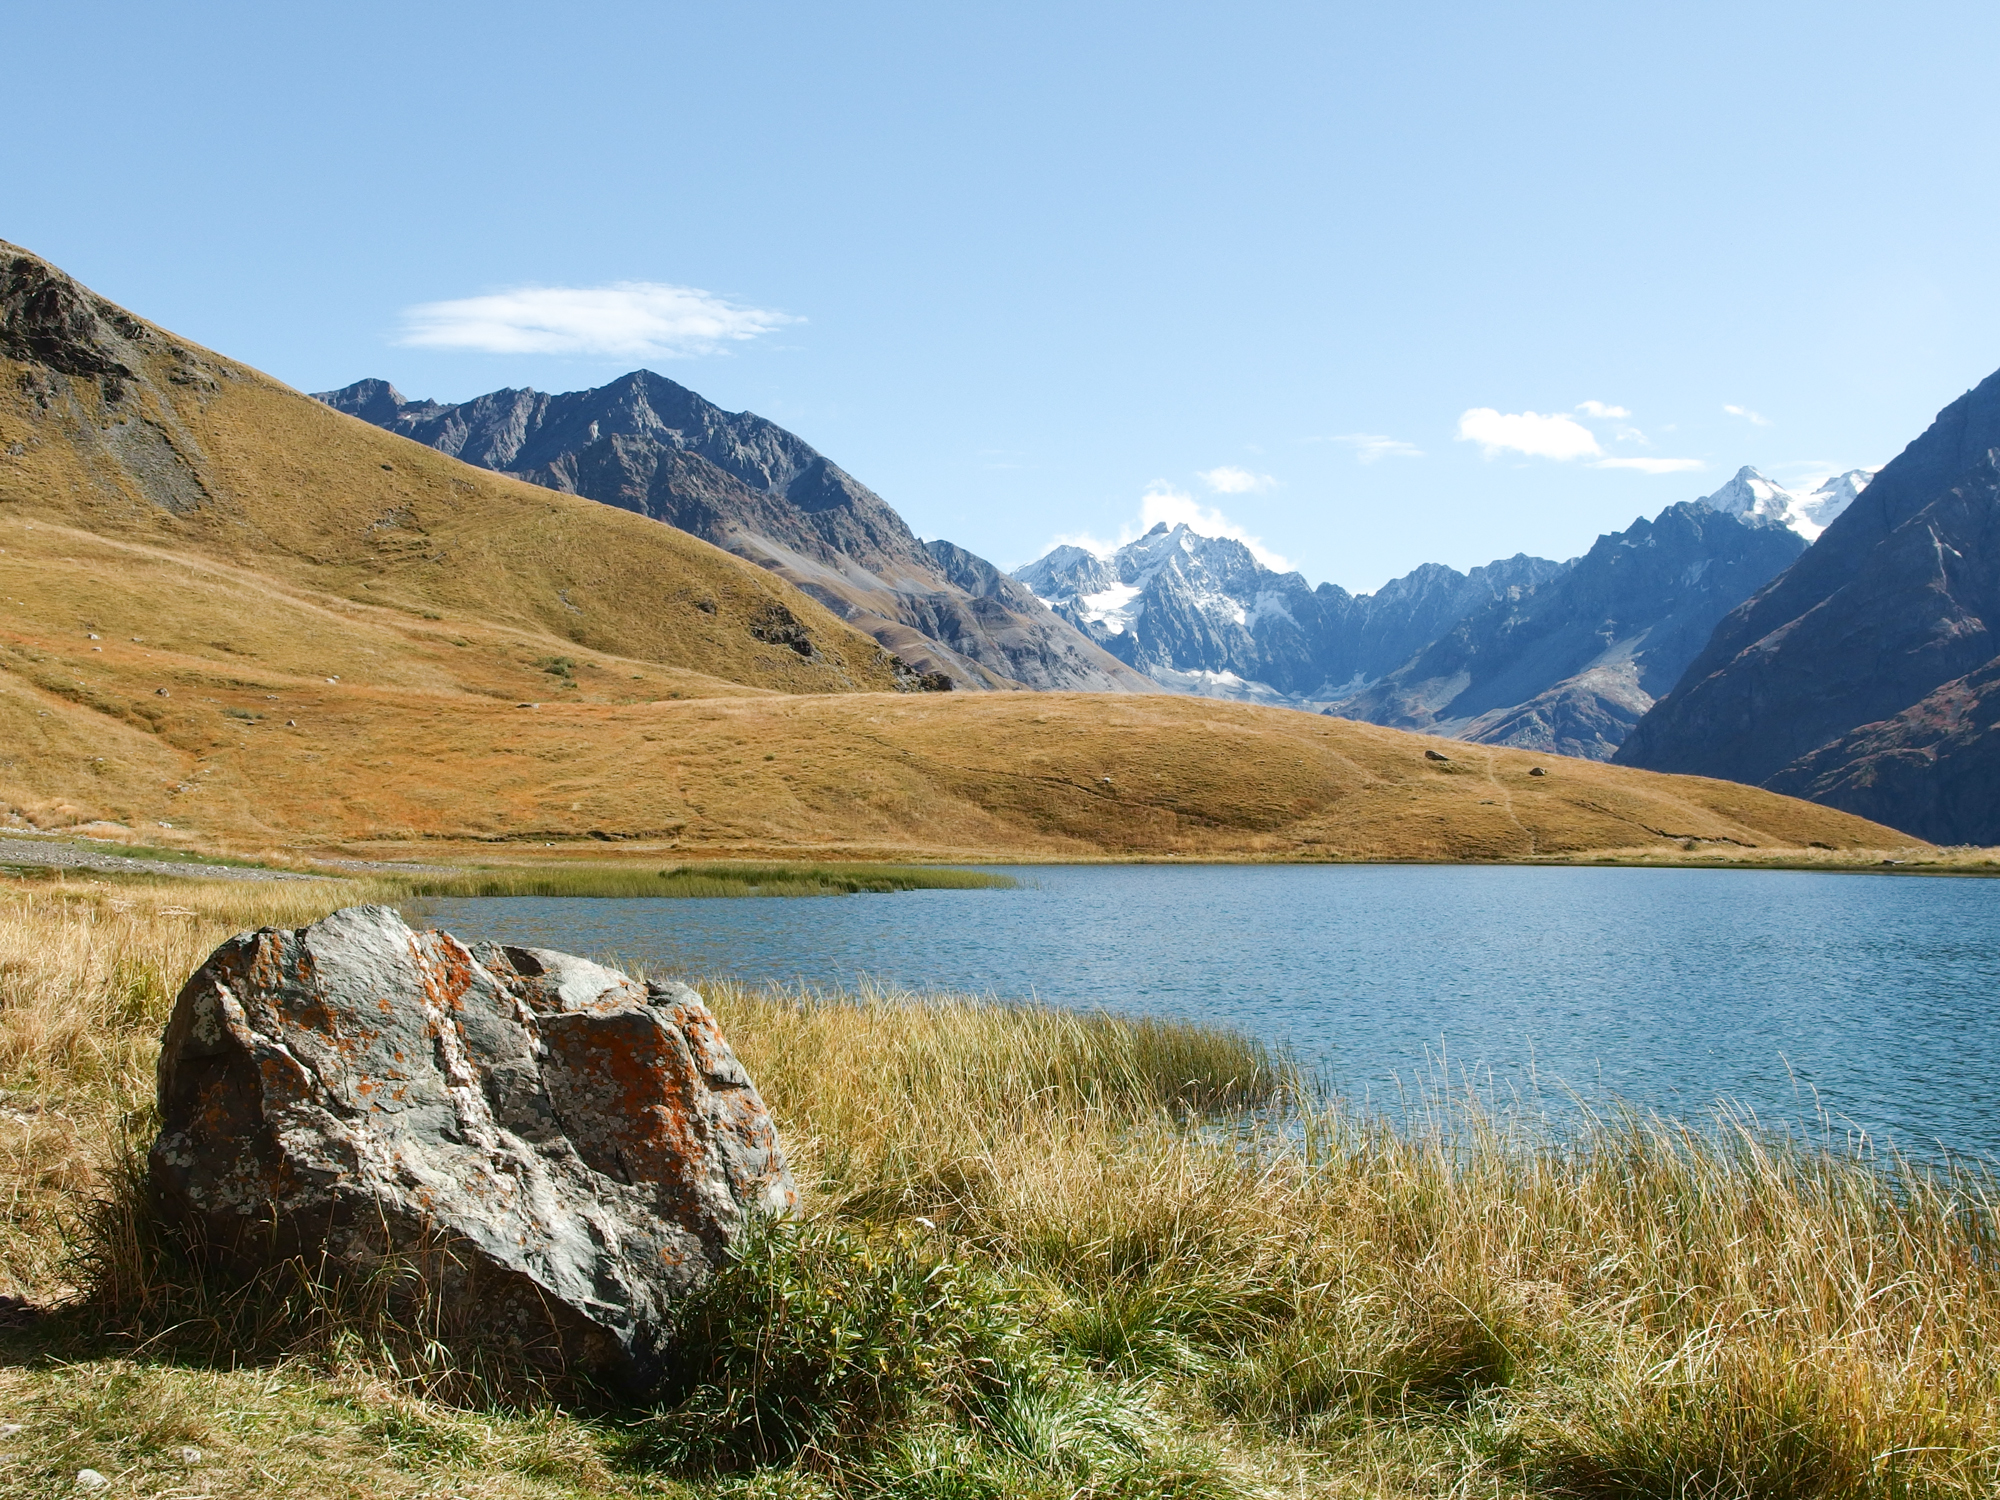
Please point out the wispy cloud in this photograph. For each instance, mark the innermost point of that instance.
(1562, 438)
(626, 318)
(1373, 447)
(1755, 419)
(1164, 504)
(1555, 436)
(1652, 465)
(1229, 480)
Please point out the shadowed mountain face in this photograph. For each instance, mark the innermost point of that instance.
(1842, 679)
(1200, 614)
(646, 444)
(1570, 665)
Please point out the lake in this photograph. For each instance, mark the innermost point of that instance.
(1873, 996)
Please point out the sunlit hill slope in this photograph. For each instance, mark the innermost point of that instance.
(230, 617)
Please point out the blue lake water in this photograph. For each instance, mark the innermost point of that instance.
(1872, 996)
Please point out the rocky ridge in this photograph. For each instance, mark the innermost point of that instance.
(647, 444)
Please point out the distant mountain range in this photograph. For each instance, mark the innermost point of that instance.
(646, 444)
(1563, 657)
(1867, 676)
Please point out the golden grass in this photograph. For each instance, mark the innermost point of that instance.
(1308, 1301)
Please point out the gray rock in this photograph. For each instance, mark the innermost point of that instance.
(562, 1152)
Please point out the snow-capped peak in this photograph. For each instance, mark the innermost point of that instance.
(1751, 494)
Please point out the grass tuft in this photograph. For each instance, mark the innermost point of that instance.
(707, 878)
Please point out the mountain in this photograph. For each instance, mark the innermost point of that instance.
(1571, 664)
(1750, 494)
(644, 443)
(1201, 615)
(1824, 681)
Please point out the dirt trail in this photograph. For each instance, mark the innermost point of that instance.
(1507, 801)
(52, 855)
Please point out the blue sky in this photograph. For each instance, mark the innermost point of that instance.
(1019, 268)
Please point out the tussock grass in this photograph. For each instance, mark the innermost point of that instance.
(708, 878)
(1045, 1254)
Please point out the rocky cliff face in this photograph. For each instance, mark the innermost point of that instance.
(1571, 664)
(1896, 600)
(1933, 770)
(647, 444)
(1201, 614)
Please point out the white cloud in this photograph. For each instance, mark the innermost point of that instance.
(1163, 504)
(1753, 418)
(1555, 436)
(629, 318)
(1599, 409)
(1372, 447)
(1228, 480)
(1652, 465)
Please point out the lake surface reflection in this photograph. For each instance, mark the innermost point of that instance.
(1873, 995)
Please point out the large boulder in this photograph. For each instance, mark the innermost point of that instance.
(561, 1152)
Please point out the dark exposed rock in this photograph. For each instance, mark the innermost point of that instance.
(1899, 596)
(1435, 755)
(1571, 665)
(1933, 770)
(647, 444)
(778, 626)
(47, 319)
(563, 1152)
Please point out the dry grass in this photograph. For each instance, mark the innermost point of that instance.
(1251, 1298)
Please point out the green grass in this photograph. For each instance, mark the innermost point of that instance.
(716, 878)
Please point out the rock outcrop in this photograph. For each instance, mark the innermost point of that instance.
(647, 444)
(562, 1152)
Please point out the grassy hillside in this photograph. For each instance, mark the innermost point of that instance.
(269, 528)
(231, 618)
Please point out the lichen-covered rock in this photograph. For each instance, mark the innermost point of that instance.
(562, 1151)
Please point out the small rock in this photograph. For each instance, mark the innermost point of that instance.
(90, 1479)
(11, 1429)
(94, 635)
(162, 693)
(1433, 755)
(190, 1455)
(1538, 771)
(291, 723)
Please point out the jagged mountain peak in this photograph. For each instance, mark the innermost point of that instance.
(1753, 497)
